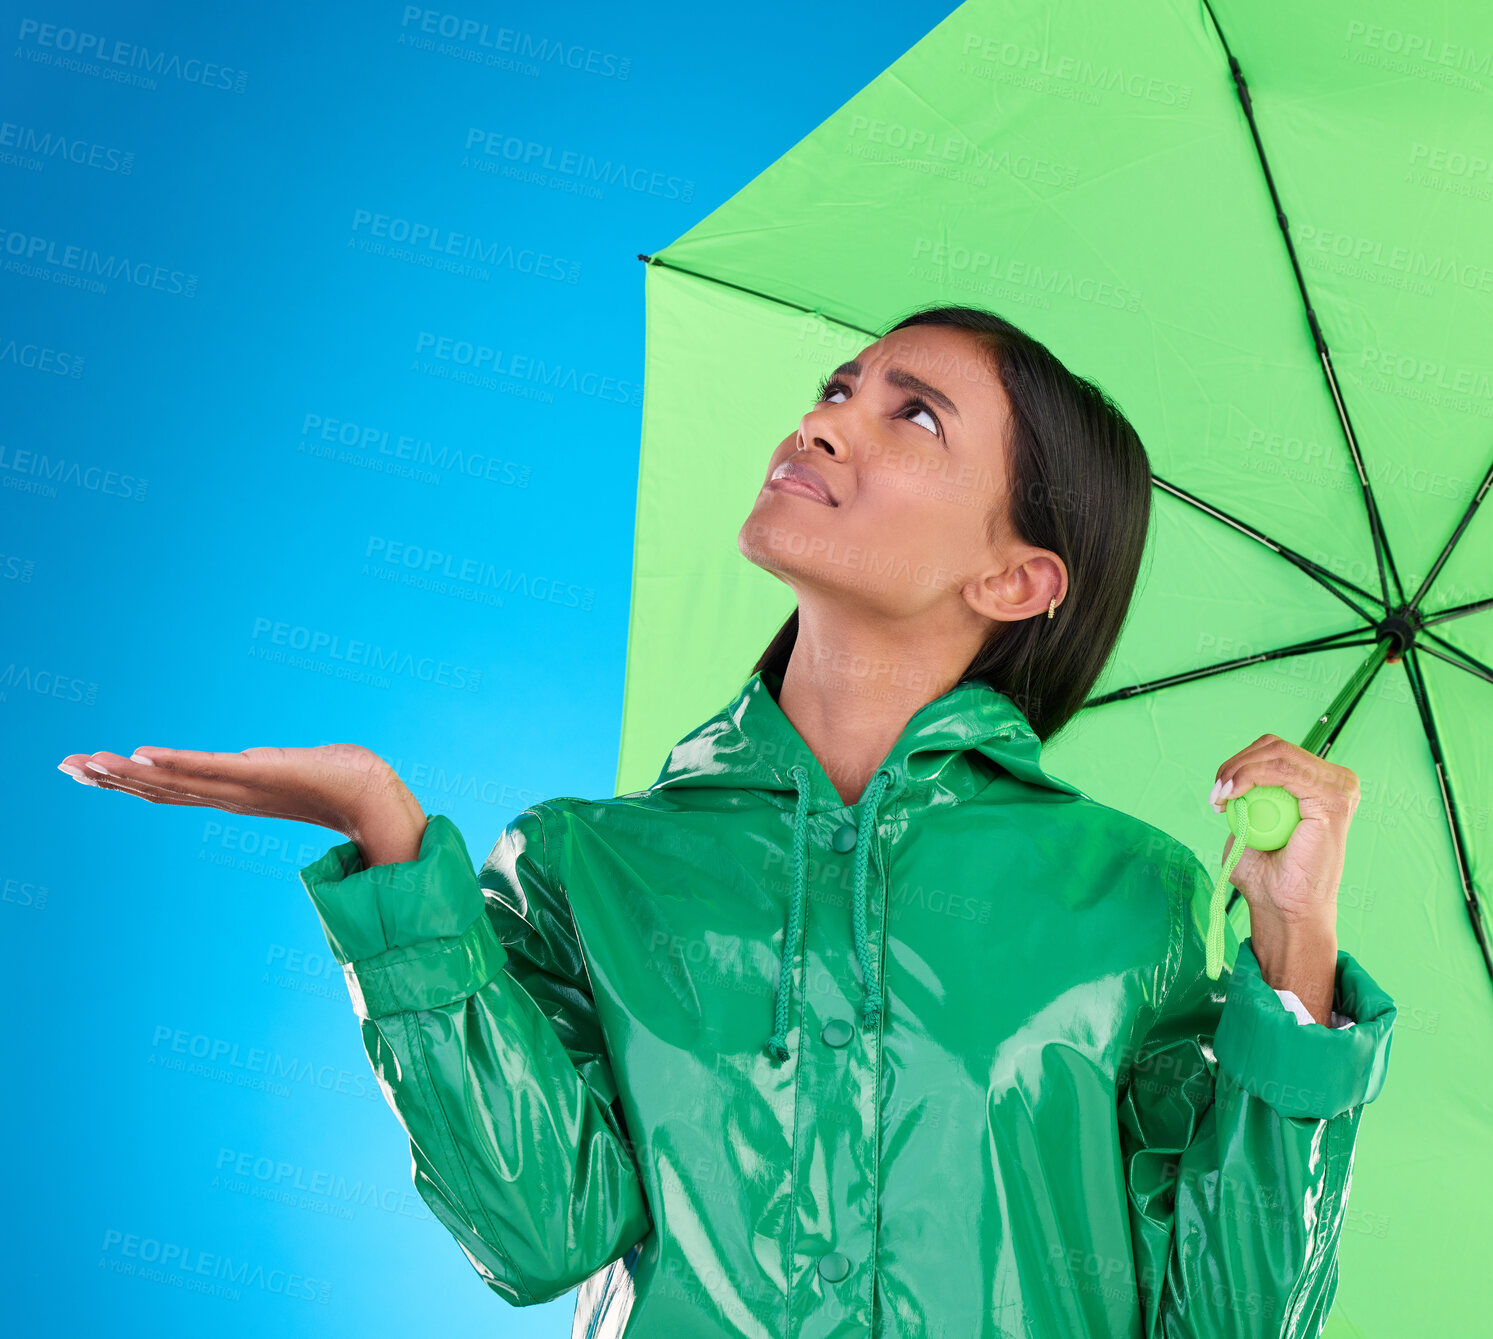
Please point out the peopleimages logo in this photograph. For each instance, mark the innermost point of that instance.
(533, 157)
(504, 43)
(35, 472)
(433, 242)
(74, 48)
(1426, 48)
(525, 367)
(45, 257)
(449, 574)
(362, 442)
(1036, 63)
(46, 683)
(322, 1190)
(328, 652)
(1467, 271)
(26, 143)
(195, 1270)
(257, 1067)
(40, 358)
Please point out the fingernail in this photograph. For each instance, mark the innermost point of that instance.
(75, 772)
(142, 760)
(1228, 787)
(1213, 794)
(95, 767)
(1217, 808)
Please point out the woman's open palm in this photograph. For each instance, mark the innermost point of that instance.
(337, 786)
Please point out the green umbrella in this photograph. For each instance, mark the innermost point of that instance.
(1262, 227)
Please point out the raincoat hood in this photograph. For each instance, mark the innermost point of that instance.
(946, 752)
(751, 744)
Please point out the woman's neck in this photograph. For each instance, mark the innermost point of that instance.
(850, 689)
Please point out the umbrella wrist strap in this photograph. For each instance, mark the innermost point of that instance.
(1217, 916)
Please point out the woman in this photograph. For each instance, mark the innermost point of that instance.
(858, 1020)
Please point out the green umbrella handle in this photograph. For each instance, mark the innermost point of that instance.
(1263, 818)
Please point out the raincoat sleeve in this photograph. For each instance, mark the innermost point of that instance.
(1237, 1126)
(478, 1018)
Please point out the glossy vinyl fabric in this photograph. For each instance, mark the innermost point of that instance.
(741, 1060)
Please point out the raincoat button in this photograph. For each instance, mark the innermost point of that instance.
(837, 1032)
(834, 1266)
(844, 838)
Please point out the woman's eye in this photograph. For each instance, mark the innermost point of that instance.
(910, 411)
(918, 409)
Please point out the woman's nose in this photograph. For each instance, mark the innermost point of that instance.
(824, 437)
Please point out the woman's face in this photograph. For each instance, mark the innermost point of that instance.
(908, 446)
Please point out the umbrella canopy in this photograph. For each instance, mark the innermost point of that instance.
(1262, 228)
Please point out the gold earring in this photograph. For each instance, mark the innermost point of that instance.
(1051, 605)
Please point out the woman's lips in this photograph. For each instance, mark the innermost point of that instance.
(790, 477)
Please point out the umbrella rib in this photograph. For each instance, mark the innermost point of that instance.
(1316, 571)
(1469, 663)
(754, 292)
(1472, 506)
(1449, 806)
(1328, 643)
(1457, 611)
(1382, 554)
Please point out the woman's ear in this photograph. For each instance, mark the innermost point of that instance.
(1021, 589)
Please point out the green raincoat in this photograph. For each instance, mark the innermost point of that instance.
(743, 1060)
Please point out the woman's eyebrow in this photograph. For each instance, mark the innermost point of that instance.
(905, 381)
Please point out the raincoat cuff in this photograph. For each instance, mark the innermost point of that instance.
(426, 976)
(1311, 1072)
(411, 934)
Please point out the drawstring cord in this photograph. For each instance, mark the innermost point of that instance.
(871, 1009)
(777, 1044)
(1238, 811)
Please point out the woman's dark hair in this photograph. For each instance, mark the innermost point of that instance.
(1079, 483)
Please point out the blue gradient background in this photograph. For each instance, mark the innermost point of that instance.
(143, 589)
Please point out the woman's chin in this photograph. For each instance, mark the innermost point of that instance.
(783, 534)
